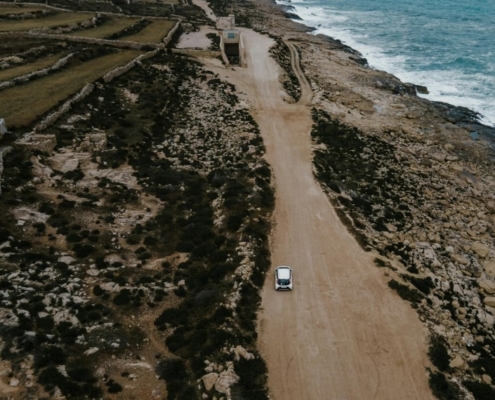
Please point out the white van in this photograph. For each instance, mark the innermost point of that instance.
(283, 278)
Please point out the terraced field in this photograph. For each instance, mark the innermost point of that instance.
(34, 77)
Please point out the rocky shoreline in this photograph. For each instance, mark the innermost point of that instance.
(414, 181)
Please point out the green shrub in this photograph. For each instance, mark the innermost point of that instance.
(40, 227)
(83, 250)
(172, 316)
(442, 388)
(423, 284)
(123, 297)
(113, 387)
(480, 390)
(174, 372)
(405, 292)
(73, 237)
(150, 241)
(253, 379)
(438, 353)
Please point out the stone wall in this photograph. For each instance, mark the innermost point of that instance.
(24, 78)
(166, 40)
(50, 119)
(222, 48)
(104, 42)
(44, 143)
(123, 69)
(46, 6)
(198, 53)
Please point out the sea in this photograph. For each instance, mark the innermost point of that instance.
(446, 45)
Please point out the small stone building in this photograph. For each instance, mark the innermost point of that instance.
(231, 41)
(226, 23)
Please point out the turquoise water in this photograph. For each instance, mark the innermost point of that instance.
(446, 45)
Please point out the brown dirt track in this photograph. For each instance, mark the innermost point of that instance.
(341, 334)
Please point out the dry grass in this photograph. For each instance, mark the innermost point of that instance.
(42, 63)
(18, 10)
(108, 28)
(23, 105)
(51, 21)
(153, 33)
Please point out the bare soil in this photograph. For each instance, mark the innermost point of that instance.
(341, 333)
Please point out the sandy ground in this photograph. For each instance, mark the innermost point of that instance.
(341, 333)
(197, 40)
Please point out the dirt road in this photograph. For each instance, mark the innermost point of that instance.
(341, 333)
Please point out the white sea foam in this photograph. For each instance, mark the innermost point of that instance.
(451, 86)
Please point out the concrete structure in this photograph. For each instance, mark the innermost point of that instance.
(226, 23)
(231, 42)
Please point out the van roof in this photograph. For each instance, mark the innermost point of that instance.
(283, 272)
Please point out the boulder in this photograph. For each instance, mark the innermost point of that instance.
(66, 259)
(225, 381)
(480, 249)
(489, 267)
(487, 286)
(40, 142)
(14, 382)
(240, 351)
(459, 258)
(422, 89)
(489, 301)
(457, 363)
(209, 380)
(70, 165)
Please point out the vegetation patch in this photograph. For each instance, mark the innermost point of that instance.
(290, 82)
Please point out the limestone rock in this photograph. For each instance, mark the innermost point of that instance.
(70, 165)
(489, 268)
(225, 381)
(66, 259)
(457, 362)
(90, 351)
(14, 382)
(487, 286)
(459, 259)
(480, 249)
(489, 301)
(209, 380)
(240, 351)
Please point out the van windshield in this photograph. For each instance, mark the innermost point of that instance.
(284, 281)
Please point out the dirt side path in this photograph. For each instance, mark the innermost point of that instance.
(341, 333)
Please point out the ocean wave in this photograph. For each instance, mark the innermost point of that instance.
(455, 62)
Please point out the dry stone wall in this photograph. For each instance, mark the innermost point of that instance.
(50, 119)
(24, 78)
(122, 70)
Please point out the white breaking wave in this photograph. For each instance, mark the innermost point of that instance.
(449, 86)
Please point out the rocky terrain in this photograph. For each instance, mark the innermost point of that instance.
(134, 239)
(414, 182)
(134, 242)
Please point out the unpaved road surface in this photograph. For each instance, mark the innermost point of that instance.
(341, 334)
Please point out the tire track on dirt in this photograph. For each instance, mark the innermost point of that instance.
(315, 339)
